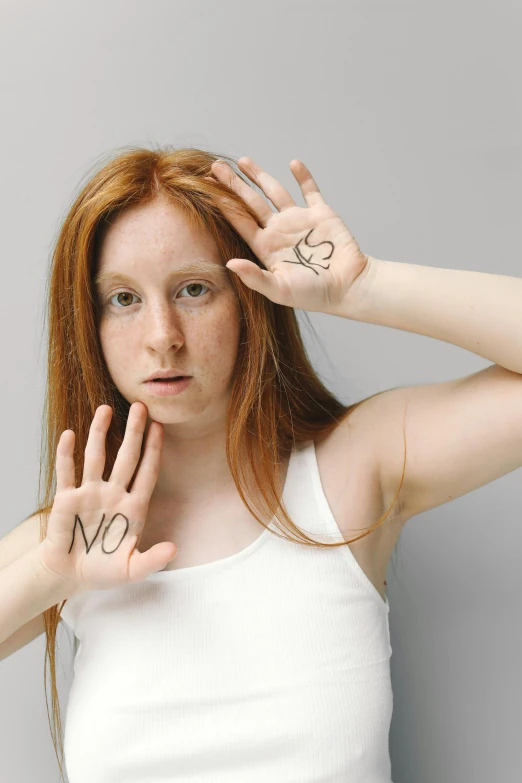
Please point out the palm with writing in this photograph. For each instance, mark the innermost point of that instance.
(311, 259)
(93, 530)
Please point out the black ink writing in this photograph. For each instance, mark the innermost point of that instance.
(307, 262)
(107, 528)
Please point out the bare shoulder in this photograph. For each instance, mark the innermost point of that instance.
(19, 540)
(349, 460)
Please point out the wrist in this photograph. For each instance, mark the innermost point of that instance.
(52, 584)
(356, 300)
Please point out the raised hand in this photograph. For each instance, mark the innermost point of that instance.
(311, 258)
(93, 529)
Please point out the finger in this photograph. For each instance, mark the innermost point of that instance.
(65, 467)
(94, 461)
(271, 187)
(148, 471)
(141, 564)
(224, 173)
(255, 278)
(130, 450)
(245, 226)
(308, 185)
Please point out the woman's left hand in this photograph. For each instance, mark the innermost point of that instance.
(312, 260)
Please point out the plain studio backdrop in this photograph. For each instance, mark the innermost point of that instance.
(409, 116)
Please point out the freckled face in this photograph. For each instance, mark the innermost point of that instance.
(160, 317)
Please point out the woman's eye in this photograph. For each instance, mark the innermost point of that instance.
(195, 285)
(121, 293)
(193, 294)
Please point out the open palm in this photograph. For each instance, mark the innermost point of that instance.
(311, 258)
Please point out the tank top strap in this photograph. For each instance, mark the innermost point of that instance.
(307, 503)
(304, 495)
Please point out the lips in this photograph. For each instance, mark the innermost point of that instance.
(165, 380)
(167, 374)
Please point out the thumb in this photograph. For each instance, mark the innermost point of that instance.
(255, 278)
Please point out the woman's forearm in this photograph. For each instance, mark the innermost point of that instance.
(475, 310)
(26, 590)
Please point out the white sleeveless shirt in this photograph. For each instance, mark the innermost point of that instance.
(268, 666)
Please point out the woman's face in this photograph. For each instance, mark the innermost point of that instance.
(156, 315)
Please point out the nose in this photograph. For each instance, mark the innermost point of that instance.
(162, 329)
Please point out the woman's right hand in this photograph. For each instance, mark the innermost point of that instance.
(93, 529)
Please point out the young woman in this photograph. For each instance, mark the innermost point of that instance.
(185, 417)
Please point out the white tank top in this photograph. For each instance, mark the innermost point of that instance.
(268, 666)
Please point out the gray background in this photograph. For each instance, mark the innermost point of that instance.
(409, 116)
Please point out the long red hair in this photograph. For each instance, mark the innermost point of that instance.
(277, 400)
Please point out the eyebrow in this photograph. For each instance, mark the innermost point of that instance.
(199, 266)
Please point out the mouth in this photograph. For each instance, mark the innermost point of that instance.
(169, 386)
(165, 380)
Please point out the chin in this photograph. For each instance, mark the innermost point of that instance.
(168, 410)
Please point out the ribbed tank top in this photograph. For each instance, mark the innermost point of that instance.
(268, 666)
